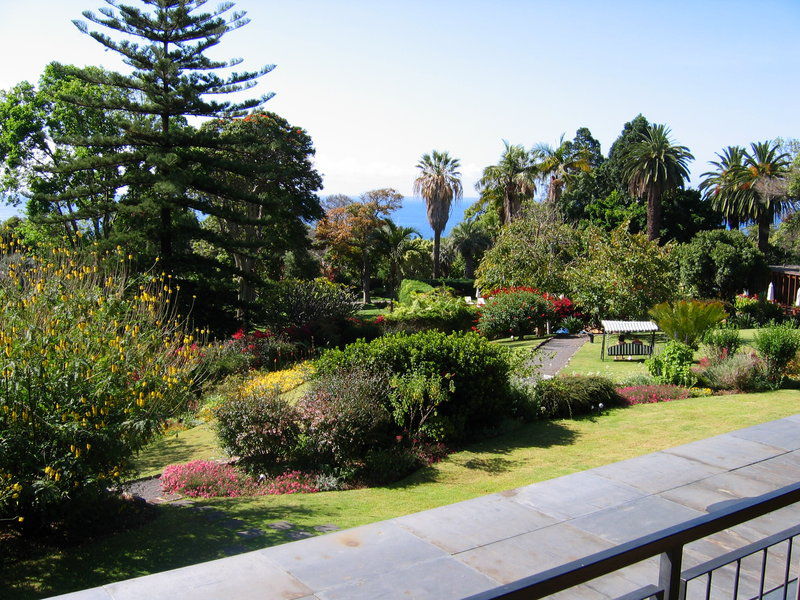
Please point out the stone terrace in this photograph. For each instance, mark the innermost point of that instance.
(461, 549)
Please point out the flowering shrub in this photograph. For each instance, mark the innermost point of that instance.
(755, 311)
(262, 428)
(284, 381)
(743, 372)
(91, 366)
(265, 350)
(206, 479)
(292, 482)
(648, 394)
(514, 311)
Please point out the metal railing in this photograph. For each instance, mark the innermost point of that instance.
(668, 543)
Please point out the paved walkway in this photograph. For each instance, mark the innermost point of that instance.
(555, 353)
(461, 549)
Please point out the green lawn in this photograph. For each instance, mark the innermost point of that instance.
(529, 342)
(587, 359)
(198, 443)
(530, 453)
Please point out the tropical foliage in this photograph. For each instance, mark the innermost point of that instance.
(687, 321)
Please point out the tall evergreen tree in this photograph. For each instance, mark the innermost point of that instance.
(164, 165)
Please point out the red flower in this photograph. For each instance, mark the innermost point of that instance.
(239, 334)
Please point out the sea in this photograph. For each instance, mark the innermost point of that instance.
(412, 214)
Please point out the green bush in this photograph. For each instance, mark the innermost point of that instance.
(574, 395)
(719, 264)
(514, 311)
(687, 320)
(461, 287)
(343, 417)
(91, 367)
(778, 346)
(315, 309)
(409, 288)
(743, 372)
(573, 325)
(437, 309)
(478, 390)
(723, 341)
(673, 364)
(756, 312)
(262, 428)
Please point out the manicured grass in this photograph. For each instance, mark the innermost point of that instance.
(529, 342)
(197, 443)
(528, 454)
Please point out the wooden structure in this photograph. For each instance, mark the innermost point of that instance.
(625, 348)
(786, 280)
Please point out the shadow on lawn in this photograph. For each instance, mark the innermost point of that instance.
(177, 537)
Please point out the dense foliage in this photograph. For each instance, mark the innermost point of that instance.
(778, 346)
(688, 320)
(91, 366)
(672, 366)
(620, 275)
(574, 395)
(437, 309)
(719, 264)
(409, 288)
(477, 374)
(516, 311)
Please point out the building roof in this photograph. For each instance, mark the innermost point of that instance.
(786, 269)
(628, 326)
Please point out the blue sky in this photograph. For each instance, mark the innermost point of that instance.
(378, 83)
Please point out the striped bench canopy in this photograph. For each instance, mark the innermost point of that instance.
(628, 326)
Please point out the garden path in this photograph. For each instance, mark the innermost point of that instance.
(455, 551)
(555, 353)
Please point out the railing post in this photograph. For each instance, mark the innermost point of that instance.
(669, 574)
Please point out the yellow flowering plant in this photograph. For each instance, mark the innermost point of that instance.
(92, 363)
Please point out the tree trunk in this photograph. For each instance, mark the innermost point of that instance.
(365, 291)
(653, 215)
(733, 223)
(469, 266)
(506, 213)
(764, 222)
(437, 235)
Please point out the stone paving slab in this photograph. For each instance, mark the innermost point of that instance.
(459, 527)
(464, 548)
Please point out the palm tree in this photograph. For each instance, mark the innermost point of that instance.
(514, 176)
(764, 175)
(470, 240)
(393, 241)
(439, 183)
(559, 164)
(652, 166)
(720, 187)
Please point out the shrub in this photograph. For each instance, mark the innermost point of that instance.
(266, 350)
(743, 372)
(415, 398)
(573, 395)
(648, 394)
(723, 341)
(479, 372)
(344, 415)
(206, 479)
(778, 346)
(262, 429)
(638, 379)
(292, 482)
(687, 320)
(752, 311)
(225, 358)
(719, 264)
(409, 288)
(312, 311)
(573, 324)
(285, 380)
(514, 311)
(461, 287)
(673, 364)
(91, 367)
(437, 309)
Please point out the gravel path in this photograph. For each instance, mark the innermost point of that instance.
(556, 352)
